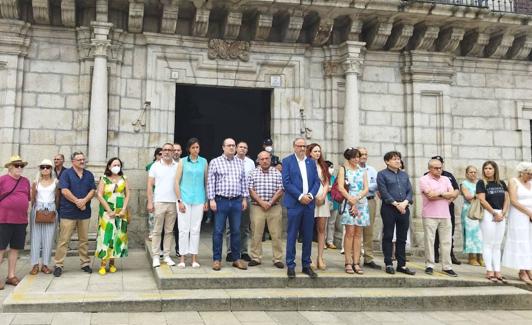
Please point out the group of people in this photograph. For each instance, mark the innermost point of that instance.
(245, 197)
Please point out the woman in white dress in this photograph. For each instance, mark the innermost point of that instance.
(518, 247)
(321, 212)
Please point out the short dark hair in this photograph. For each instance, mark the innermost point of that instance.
(192, 141)
(351, 153)
(391, 154)
(108, 170)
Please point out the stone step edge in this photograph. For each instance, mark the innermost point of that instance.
(287, 299)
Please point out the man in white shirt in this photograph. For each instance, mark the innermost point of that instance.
(162, 202)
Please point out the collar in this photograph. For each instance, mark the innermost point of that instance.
(434, 178)
(267, 171)
(227, 158)
(300, 160)
(165, 164)
(397, 172)
(192, 161)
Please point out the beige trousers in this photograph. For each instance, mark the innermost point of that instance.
(444, 228)
(165, 215)
(66, 229)
(274, 218)
(367, 232)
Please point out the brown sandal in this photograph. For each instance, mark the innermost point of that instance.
(35, 269)
(357, 269)
(349, 269)
(45, 270)
(13, 281)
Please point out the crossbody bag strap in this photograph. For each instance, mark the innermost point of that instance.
(12, 190)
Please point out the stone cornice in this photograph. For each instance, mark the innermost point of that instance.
(9, 9)
(15, 37)
(427, 67)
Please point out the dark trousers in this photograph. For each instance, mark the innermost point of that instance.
(437, 238)
(176, 237)
(391, 218)
(226, 209)
(300, 220)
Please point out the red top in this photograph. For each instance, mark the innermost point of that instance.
(14, 207)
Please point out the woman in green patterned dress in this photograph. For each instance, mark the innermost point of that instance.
(113, 194)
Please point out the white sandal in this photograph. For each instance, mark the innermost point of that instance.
(195, 265)
(181, 265)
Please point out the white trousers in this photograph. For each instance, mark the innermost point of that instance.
(492, 236)
(189, 224)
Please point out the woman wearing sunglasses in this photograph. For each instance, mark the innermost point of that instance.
(43, 218)
(14, 202)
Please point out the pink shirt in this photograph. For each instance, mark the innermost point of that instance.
(14, 207)
(436, 208)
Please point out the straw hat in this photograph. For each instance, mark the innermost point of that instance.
(46, 162)
(15, 159)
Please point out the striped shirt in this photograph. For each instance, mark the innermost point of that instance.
(265, 184)
(226, 178)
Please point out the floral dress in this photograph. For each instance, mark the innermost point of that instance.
(112, 232)
(471, 228)
(356, 185)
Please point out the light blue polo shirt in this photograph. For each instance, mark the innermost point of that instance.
(192, 183)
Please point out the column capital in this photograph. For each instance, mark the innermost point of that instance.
(352, 57)
(353, 65)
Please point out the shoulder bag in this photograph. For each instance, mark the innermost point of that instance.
(336, 195)
(476, 211)
(44, 216)
(3, 196)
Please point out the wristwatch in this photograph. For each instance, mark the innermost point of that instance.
(179, 201)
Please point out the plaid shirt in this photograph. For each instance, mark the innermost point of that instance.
(265, 184)
(226, 178)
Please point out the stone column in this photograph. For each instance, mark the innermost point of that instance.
(97, 152)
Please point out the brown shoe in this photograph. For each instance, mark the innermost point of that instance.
(13, 281)
(46, 270)
(35, 269)
(240, 264)
(216, 265)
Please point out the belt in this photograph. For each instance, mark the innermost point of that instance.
(370, 197)
(228, 198)
(255, 203)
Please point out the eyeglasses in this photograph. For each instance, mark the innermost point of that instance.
(301, 146)
(18, 165)
(80, 160)
(437, 168)
(45, 167)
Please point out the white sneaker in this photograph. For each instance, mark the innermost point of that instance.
(155, 262)
(168, 261)
(195, 265)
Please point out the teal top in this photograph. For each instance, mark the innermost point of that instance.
(192, 184)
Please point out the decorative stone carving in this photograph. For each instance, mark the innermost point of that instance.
(449, 39)
(201, 22)
(83, 35)
(136, 16)
(9, 9)
(115, 52)
(232, 25)
(355, 29)
(376, 33)
(473, 43)
(15, 38)
(68, 13)
(102, 10)
(332, 68)
(169, 16)
(227, 50)
(427, 67)
(263, 27)
(401, 33)
(498, 45)
(41, 11)
(294, 27)
(521, 47)
(323, 33)
(353, 65)
(423, 38)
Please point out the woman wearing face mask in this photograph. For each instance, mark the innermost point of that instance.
(113, 194)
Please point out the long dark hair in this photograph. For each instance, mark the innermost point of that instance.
(108, 170)
(321, 162)
(495, 171)
(192, 141)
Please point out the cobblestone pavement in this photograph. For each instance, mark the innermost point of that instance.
(264, 318)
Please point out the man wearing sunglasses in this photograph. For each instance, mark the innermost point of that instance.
(77, 189)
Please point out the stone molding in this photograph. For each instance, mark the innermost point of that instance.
(376, 33)
(293, 30)
(355, 28)
(428, 67)
(263, 27)
(401, 32)
(41, 10)
(473, 43)
(201, 22)
(232, 25)
(226, 50)
(323, 33)
(68, 13)
(521, 47)
(449, 39)
(423, 38)
(136, 16)
(498, 45)
(15, 38)
(102, 10)
(9, 9)
(169, 16)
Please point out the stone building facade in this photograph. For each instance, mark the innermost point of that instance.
(451, 78)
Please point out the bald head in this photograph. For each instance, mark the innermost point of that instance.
(264, 158)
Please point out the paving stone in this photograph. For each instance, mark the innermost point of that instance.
(5, 319)
(219, 318)
(183, 316)
(288, 318)
(71, 318)
(445, 316)
(252, 316)
(320, 316)
(32, 318)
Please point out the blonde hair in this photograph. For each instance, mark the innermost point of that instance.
(524, 167)
(38, 177)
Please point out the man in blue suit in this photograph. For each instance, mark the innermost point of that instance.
(301, 184)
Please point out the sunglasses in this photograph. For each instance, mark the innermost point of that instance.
(18, 165)
(45, 167)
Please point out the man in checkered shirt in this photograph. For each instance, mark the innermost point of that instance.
(265, 189)
(227, 191)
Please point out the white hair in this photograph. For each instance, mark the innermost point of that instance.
(524, 167)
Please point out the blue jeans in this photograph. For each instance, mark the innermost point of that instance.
(232, 210)
(300, 220)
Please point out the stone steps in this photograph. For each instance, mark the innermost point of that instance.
(289, 299)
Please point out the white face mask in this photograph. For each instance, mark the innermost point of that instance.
(331, 171)
(269, 148)
(115, 169)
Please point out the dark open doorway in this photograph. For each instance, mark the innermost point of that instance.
(212, 114)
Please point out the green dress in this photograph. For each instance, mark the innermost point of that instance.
(112, 232)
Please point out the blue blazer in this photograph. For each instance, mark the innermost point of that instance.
(293, 182)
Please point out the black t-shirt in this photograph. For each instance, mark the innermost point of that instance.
(495, 193)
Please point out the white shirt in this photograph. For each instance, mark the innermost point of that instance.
(372, 179)
(46, 194)
(164, 176)
(303, 169)
(249, 166)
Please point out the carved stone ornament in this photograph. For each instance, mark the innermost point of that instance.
(401, 33)
(473, 43)
(449, 39)
(9, 9)
(498, 45)
(323, 33)
(264, 24)
(331, 68)
(136, 16)
(227, 50)
(294, 28)
(353, 65)
(377, 34)
(169, 16)
(41, 9)
(201, 22)
(232, 25)
(521, 47)
(68, 13)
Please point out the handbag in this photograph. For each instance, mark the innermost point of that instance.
(3, 196)
(336, 195)
(476, 211)
(44, 216)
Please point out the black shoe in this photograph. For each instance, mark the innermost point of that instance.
(436, 259)
(246, 257)
(450, 273)
(177, 254)
(279, 265)
(429, 271)
(291, 273)
(389, 269)
(253, 263)
(406, 270)
(454, 260)
(310, 272)
(229, 257)
(58, 271)
(373, 265)
(87, 269)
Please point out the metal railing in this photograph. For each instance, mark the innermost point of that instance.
(509, 6)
